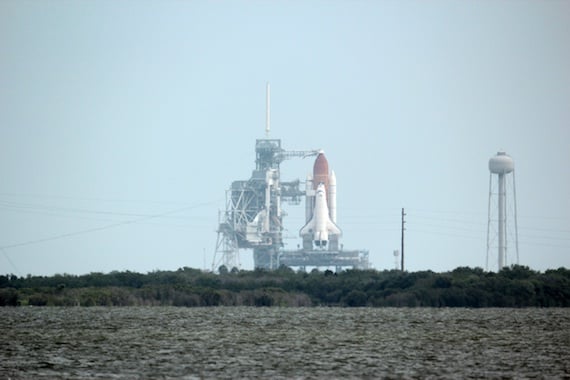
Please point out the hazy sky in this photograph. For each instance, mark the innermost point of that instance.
(122, 123)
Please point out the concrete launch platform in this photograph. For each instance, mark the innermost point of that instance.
(357, 259)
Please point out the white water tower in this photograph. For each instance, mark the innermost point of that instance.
(504, 196)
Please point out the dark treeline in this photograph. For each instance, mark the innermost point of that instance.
(517, 286)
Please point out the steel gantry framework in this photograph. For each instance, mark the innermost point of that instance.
(253, 218)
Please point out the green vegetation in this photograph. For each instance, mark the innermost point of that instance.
(517, 286)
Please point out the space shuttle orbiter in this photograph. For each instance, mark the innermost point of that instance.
(320, 211)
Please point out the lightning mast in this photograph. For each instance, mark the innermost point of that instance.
(267, 110)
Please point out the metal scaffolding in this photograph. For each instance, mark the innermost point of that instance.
(253, 218)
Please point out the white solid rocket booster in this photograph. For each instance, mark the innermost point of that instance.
(332, 196)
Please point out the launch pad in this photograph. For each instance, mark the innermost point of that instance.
(318, 258)
(253, 218)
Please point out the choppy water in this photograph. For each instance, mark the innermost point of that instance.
(244, 342)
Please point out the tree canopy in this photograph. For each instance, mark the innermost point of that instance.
(515, 286)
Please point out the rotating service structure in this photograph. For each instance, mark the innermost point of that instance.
(253, 218)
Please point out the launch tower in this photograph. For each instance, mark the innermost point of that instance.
(253, 218)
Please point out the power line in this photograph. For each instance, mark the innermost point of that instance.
(11, 262)
(66, 197)
(30, 207)
(95, 229)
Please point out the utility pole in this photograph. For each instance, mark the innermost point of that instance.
(403, 229)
